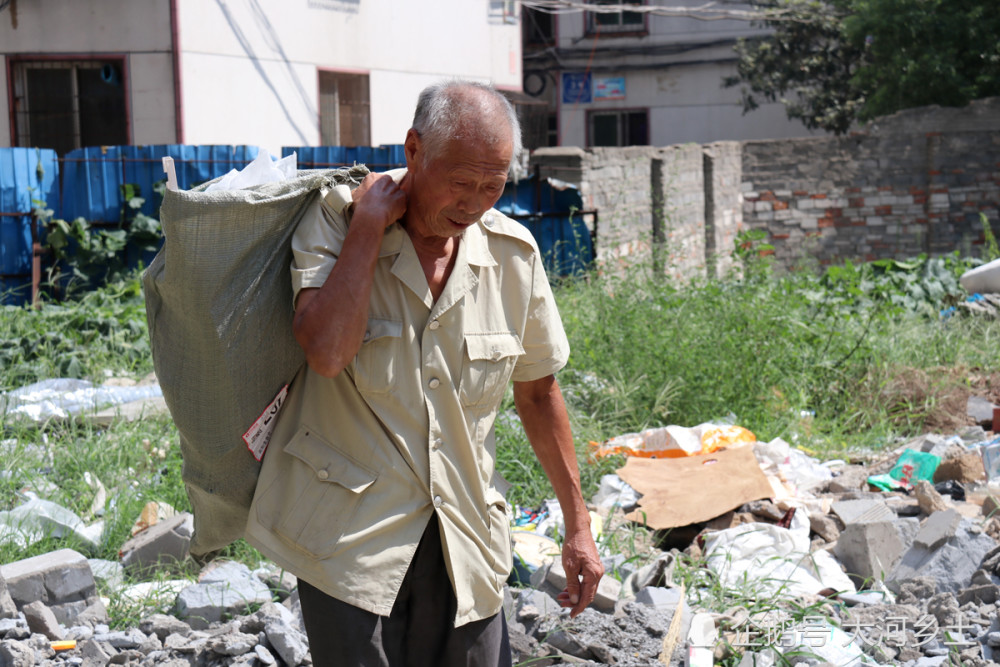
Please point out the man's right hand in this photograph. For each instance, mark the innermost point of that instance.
(378, 201)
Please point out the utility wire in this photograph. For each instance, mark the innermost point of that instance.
(706, 12)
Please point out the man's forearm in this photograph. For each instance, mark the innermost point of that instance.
(543, 414)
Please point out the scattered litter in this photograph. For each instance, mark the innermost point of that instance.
(615, 492)
(261, 170)
(151, 514)
(911, 467)
(681, 491)
(796, 470)
(97, 506)
(62, 397)
(776, 559)
(37, 519)
(674, 441)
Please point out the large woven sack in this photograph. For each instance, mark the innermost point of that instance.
(219, 308)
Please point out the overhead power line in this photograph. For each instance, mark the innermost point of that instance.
(709, 11)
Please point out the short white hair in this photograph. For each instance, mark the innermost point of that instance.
(443, 110)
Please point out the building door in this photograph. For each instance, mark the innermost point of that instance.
(344, 109)
(68, 104)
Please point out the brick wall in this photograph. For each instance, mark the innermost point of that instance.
(909, 183)
(886, 192)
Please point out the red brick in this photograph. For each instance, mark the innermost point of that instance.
(767, 195)
(857, 202)
(780, 237)
(933, 134)
(779, 205)
(919, 199)
(825, 222)
(765, 253)
(958, 171)
(885, 188)
(852, 191)
(820, 196)
(803, 193)
(921, 221)
(914, 190)
(858, 223)
(811, 234)
(938, 191)
(883, 210)
(933, 172)
(834, 212)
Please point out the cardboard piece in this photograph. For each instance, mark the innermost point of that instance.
(681, 491)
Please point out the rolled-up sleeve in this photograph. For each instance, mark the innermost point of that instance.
(318, 239)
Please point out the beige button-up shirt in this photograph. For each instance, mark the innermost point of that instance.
(358, 463)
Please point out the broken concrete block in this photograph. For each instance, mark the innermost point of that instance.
(981, 411)
(168, 539)
(929, 499)
(851, 478)
(608, 588)
(824, 525)
(869, 550)
(967, 468)
(110, 573)
(226, 590)
(862, 511)
(938, 527)
(7, 607)
(952, 563)
(290, 644)
(42, 621)
(664, 600)
(16, 654)
(542, 603)
(61, 579)
(163, 626)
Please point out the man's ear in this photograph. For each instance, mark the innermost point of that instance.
(412, 148)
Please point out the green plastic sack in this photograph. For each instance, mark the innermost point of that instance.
(219, 308)
(913, 466)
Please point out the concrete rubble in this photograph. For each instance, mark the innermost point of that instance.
(894, 577)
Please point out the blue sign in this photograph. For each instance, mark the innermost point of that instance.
(576, 87)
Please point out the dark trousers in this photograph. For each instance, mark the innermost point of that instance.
(419, 632)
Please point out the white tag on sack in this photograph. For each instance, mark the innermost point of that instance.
(259, 433)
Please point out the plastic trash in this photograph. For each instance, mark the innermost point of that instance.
(911, 467)
(674, 441)
(60, 398)
(615, 492)
(990, 453)
(702, 638)
(797, 470)
(37, 519)
(773, 560)
(261, 170)
(985, 278)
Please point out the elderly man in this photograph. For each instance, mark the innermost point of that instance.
(416, 304)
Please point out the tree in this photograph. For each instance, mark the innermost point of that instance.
(835, 62)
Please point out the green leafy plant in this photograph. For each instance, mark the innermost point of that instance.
(84, 256)
(991, 250)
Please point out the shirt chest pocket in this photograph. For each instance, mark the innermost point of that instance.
(375, 370)
(315, 502)
(487, 367)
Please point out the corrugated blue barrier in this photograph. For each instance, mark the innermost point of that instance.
(551, 216)
(377, 158)
(28, 176)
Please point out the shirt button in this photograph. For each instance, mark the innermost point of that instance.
(488, 220)
(322, 474)
(438, 502)
(434, 325)
(437, 443)
(434, 383)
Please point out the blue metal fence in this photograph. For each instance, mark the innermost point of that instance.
(88, 182)
(27, 176)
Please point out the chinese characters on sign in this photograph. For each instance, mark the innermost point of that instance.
(576, 88)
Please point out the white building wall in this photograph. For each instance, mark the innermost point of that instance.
(250, 69)
(683, 91)
(110, 27)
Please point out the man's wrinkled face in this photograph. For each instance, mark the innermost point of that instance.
(454, 187)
